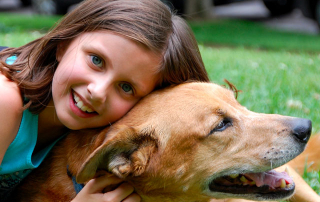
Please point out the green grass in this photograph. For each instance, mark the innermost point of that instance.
(27, 22)
(278, 72)
(16, 30)
(313, 179)
(252, 34)
(272, 81)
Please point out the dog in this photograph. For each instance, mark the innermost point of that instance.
(190, 142)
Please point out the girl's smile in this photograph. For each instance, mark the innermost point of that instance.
(80, 107)
(100, 77)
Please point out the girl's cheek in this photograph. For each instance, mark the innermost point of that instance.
(121, 108)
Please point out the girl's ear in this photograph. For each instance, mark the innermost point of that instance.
(61, 49)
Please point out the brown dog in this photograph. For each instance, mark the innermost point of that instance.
(191, 142)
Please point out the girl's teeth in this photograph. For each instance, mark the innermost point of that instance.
(84, 108)
(76, 98)
(89, 110)
(80, 104)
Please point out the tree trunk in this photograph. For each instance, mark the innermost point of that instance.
(198, 8)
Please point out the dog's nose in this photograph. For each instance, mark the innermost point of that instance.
(302, 129)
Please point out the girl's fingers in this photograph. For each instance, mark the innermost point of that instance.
(98, 184)
(132, 198)
(92, 191)
(120, 193)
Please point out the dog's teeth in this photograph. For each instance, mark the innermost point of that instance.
(234, 175)
(244, 179)
(283, 184)
(287, 170)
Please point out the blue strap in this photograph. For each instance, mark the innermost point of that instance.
(3, 47)
(11, 59)
(77, 187)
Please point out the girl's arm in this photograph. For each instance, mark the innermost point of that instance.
(10, 113)
(93, 191)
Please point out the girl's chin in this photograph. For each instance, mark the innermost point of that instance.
(75, 126)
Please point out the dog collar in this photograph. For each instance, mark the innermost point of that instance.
(77, 187)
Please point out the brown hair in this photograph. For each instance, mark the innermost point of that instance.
(148, 22)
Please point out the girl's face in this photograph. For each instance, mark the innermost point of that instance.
(100, 77)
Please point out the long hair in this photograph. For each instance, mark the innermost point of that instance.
(149, 22)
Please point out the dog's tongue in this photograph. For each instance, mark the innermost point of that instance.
(271, 178)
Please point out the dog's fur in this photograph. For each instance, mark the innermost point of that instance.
(309, 160)
(170, 146)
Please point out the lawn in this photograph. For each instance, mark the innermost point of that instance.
(278, 72)
(271, 81)
(16, 30)
(252, 34)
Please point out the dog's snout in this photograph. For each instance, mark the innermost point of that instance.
(301, 129)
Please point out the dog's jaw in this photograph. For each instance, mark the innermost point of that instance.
(271, 185)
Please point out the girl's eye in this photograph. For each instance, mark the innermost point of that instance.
(96, 60)
(126, 88)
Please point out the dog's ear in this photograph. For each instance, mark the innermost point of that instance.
(126, 152)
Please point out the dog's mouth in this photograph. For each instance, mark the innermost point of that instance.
(270, 184)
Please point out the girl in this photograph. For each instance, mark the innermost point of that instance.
(91, 69)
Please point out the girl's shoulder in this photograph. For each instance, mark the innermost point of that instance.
(9, 93)
(10, 112)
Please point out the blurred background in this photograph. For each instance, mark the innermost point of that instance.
(299, 15)
(269, 49)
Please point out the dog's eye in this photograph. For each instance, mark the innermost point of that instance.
(224, 124)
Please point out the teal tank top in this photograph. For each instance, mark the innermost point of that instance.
(19, 159)
(19, 155)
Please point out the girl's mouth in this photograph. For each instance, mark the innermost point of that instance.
(79, 103)
(80, 108)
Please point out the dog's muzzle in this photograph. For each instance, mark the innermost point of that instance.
(301, 129)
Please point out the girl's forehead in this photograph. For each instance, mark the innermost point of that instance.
(97, 36)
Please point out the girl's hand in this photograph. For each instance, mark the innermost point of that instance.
(92, 191)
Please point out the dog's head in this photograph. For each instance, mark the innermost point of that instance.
(194, 141)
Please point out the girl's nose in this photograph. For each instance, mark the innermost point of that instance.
(98, 90)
